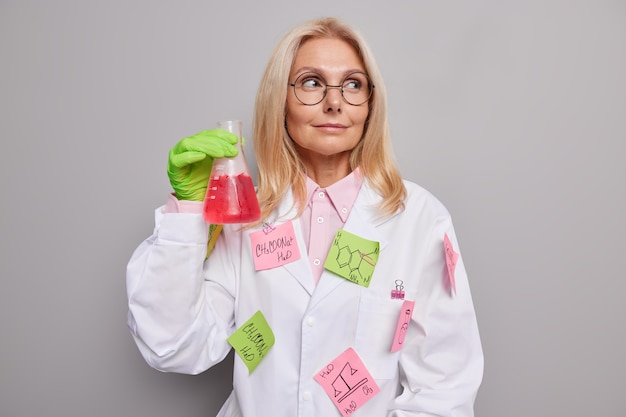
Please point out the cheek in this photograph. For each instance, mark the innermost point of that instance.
(292, 122)
(365, 114)
(360, 118)
(298, 116)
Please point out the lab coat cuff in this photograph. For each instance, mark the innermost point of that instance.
(180, 228)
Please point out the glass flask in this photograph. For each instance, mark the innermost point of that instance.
(230, 195)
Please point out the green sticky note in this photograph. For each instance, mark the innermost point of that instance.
(253, 340)
(352, 257)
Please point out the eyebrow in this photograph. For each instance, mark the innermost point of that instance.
(304, 70)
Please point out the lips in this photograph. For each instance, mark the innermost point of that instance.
(331, 127)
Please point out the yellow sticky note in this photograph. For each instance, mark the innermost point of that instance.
(352, 257)
(253, 340)
(214, 232)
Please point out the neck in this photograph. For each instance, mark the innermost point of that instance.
(327, 170)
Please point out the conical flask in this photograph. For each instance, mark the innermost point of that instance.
(230, 195)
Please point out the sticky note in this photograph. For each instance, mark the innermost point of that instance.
(352, 257)
(451, 258)
(214, 232)
(253, 340)
(403, 325)
(274, 246)
(347, 382)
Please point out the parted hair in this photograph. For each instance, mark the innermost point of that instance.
(280, 166)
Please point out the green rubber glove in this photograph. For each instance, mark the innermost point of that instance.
(190, 161)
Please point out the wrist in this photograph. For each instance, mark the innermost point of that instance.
(175, 205)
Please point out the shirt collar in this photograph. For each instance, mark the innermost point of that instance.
(342, 194)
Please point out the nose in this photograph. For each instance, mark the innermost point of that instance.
(333, 99)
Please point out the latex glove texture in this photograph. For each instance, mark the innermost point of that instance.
(190, 161)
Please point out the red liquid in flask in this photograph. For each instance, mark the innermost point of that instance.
(231, 199)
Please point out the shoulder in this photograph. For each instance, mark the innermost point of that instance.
(419, 198)
(419, 205)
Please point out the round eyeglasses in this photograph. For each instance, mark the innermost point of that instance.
(310, 88)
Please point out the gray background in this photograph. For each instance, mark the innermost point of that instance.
(512, 113)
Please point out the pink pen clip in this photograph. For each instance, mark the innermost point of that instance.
(268, 228)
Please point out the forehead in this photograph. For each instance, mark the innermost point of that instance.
(328, 56)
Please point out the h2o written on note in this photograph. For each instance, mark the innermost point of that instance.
(275, 247)
(257, 340)
(253, 340)
(278, 246)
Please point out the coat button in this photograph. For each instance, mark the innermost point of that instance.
(306, 396)
(310, 321)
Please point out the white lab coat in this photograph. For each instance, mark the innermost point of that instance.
(182, 309)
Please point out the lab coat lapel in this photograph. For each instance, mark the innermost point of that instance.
(300, 268)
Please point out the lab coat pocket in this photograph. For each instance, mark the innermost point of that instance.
(378, 317)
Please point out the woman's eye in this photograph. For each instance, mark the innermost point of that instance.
(311, 83)
(352, 85)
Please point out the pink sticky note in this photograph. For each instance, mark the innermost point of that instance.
(451, 258)
(403, 325)
(272, 247)
(347, 382)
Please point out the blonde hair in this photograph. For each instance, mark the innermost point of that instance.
(279, 164)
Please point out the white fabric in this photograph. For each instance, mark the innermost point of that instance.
(182, 309)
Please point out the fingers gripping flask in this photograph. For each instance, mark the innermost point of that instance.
(230, 196)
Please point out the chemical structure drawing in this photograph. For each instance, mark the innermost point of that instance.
(347, 382)
(353, 259)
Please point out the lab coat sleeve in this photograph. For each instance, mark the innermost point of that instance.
(441, 364)
(179, 320)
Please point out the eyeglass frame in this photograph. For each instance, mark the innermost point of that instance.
(340, 87)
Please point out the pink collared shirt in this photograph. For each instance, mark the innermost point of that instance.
(326, 211)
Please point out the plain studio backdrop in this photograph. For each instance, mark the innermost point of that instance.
(511, 113)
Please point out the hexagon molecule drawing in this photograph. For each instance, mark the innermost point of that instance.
(353, 260)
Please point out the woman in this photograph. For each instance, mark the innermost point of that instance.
(397, 317)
